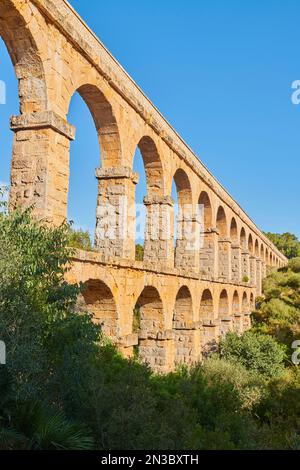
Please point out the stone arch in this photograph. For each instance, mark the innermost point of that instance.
(246, 311)
(183, 187)
(236, 255)
(152, 345)
(221, 222)
(25, 55)
(223, 313)
(250, 243)
(184, 333)
(224, 246)
(204, 201)
(245, 304)
(234, 231)
(237, 316)
(243, 239)
(235, 303)
(206, 306)
(262, 252)
(105, 124)
(256, 248)
(207, 241)
(153, 166)
(98, 299)
(210, 328)
(252, 300)
(267, 259)
(183, 256)
(153, 208)
(223, 304)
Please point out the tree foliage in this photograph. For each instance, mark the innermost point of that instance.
(255, 351)
(278, 313)
(287, 243)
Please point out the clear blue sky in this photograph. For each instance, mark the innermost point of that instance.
(221, 73)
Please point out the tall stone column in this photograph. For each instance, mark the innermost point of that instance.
(188, 242)
(159, 247)
(224, 248)
(245, 264)
(252, 270)
(208, 259)
(115, 216)
(258, 277)
(40, 164)
(236, 263)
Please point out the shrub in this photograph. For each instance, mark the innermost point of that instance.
(257, 352)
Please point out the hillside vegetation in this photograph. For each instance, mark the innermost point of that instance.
(65, 387)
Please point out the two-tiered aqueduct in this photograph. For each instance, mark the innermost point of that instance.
(187, 296)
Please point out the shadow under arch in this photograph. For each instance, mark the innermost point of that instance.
(210, 328)
(223, 313)
(236, 313)
(149, 324)
(97, 298)
(183, 326)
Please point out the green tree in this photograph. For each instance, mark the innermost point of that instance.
(278, 313)
(257, 352)
(80, 239)
(287, 243)
(139, 252)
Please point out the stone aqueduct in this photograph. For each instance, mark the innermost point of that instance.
(187, 298)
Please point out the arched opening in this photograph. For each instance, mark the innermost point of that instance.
(234, 231)
(223, 304)
(148, 165)
(184, 334)
(206, 210)
(140, 208)
(243, 238)
(236, 255)
(237, 315)
(183, 219)
(210, 329)
(9, 105)
(207, 241)
(250, 244)
(221, 223)
(267, 256)
(148, 322)
(85, 156)
(252, 305)
(256, 250)
(97, 144)
(226, 320)
(245, 304)
(246, 312)
(206, 306)
(224, 247)
(98, 299)
(262, 252)
(235, 303)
